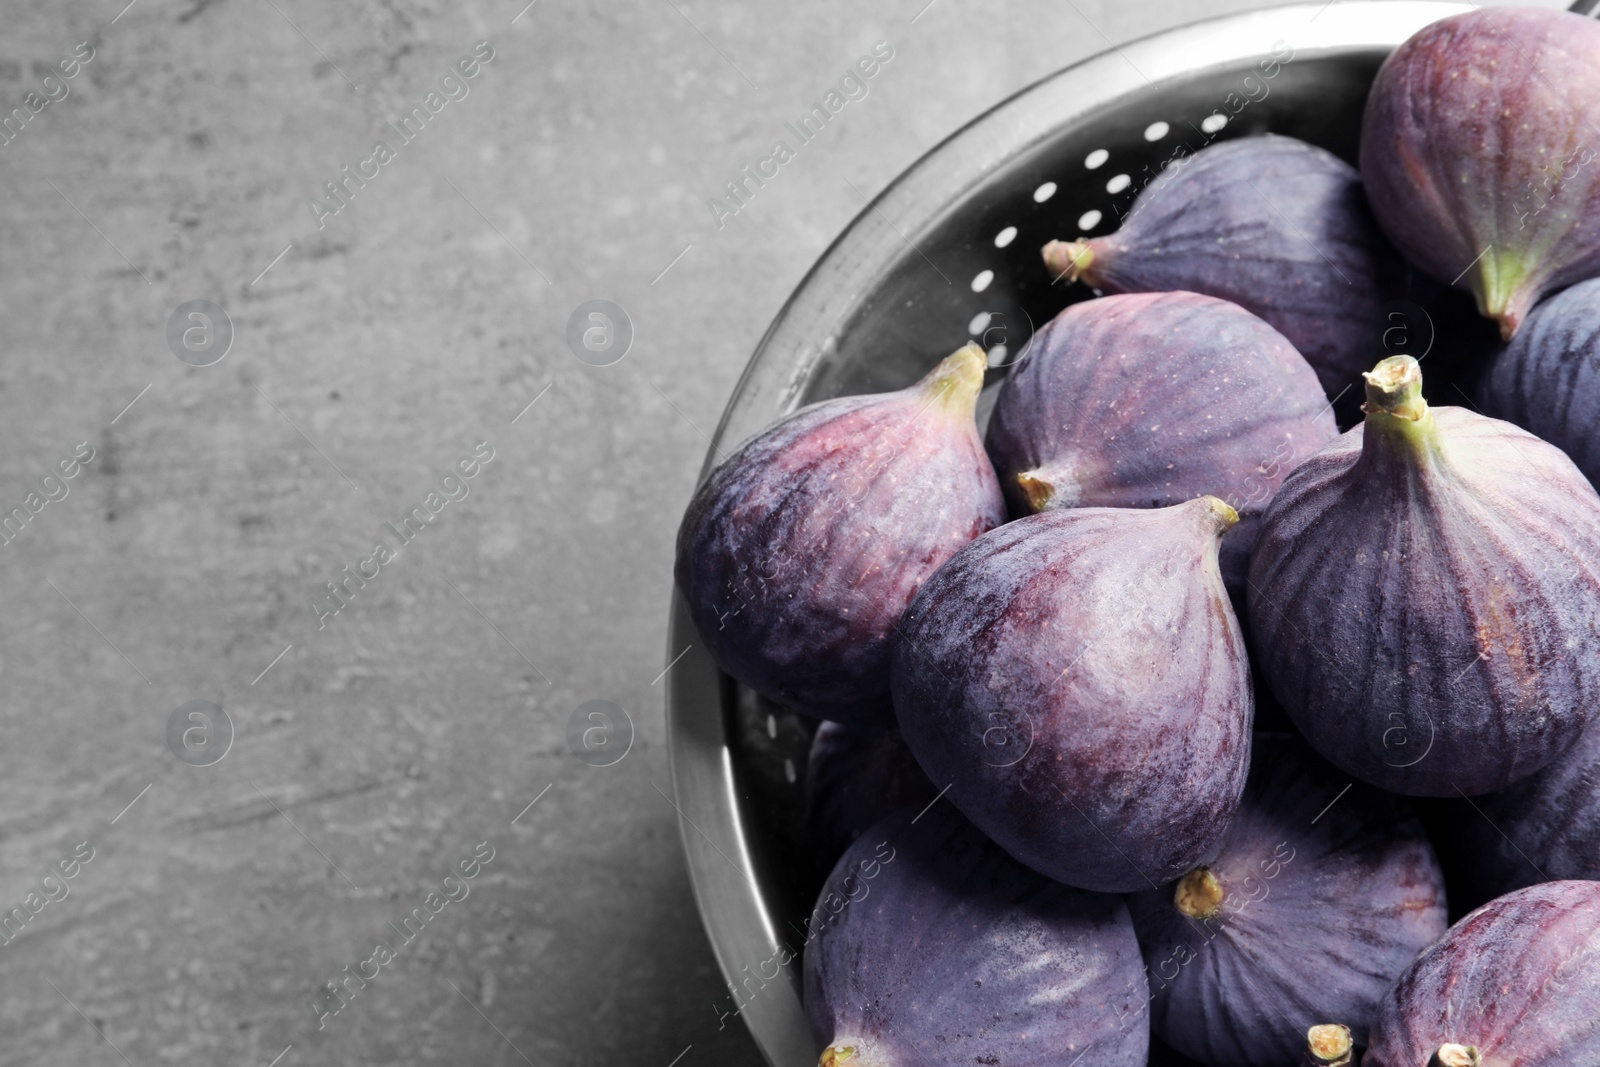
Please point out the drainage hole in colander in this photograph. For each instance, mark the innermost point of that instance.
(979, 323)
(1089, 219)
(1213, 122)
(1155, 131)
(1044, 192)
(1118, 183)
(981, 282)
(997, 355)
(1094, 159)
(1005, 237)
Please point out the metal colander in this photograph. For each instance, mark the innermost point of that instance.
(948, 253)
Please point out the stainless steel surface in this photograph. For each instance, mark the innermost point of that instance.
(906, 284)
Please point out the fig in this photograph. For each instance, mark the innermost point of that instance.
(1321, 894)
(1424, 598)
(1515, 983)
(1278, 226)
(930, 945)
(1475, 151)
(1078, 679)
(1547, 380)
(1545, 827)
(854, 778)
(799, 551)
(1150, 399)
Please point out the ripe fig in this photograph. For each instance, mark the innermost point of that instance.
(799, 552)
(1079, 680)
(1547, 380)
(1545, 827)
(855, 778)
(1321, 894)
(1278, 226)
(1425, 596)
(1150, 399)
(1479, 152)
(930, 945)
(1515, 983)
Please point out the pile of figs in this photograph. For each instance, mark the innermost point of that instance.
(1174, 720)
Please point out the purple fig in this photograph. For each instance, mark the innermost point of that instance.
(1079, 680)
(930, 945)
(1514, 984)
(1321, 894)
(1479, 152)
(1414, 603)
(1151, 399)
(1275, 225)
(800, 551)
(1545, 827)
(1547, 380)
(854, 778)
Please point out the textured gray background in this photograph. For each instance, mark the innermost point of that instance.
(378, 751)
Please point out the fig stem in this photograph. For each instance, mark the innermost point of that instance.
(1068, 260)
(1453, 1055)
(836, 1055)
(1394, 387)
(1037, 488)
(1329, 1045)
(955, 383)
(1222, 514)
(1395, 408)
(1199, 894)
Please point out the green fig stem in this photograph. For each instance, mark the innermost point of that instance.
(1394, 407)
(1069, 260)
(1220, 513)
(954, 384)
(1329, 1045)
(1199, 894)
(1453, 1055)
(837, 1056)
(1502, 291)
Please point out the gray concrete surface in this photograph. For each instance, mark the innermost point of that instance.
(383, 743)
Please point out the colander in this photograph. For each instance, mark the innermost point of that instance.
(949, 252)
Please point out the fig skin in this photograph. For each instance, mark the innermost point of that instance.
(1322, 897)
(1080, 681)
(931, 945)
(1544, 828)
(1518, 980)
(1475, 153)
(1150, 399)
(1300, 249)
(855, 778)
(1547, 380)
(799, 552)
(1424, 598)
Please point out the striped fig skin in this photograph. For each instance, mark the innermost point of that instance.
(1424, 601)
(1518, 979)
(1547, 380)
(1273, 224)
(1544, 828)
(929, 945)
(799, 552)
(854, 778)
(1150, 399)
(1328, 895)
(1480, 150)
(1078, 680)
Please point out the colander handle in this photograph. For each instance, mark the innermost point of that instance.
(1584, 7)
